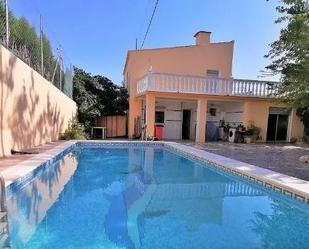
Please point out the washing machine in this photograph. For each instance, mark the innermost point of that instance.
(232, 135)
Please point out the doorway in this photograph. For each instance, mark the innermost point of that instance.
(186, 118)
(277, 129)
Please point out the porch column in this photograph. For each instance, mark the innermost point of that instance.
(201, 120)
(150, 114)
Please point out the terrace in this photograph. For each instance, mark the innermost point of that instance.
(172, 83)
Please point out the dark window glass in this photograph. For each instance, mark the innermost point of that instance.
(212, 73)
(212, 111)
(159, 117)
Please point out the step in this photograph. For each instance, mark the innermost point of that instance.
(3, 239)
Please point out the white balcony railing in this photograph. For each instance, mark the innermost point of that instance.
(163, 82)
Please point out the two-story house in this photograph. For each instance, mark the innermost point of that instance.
(190, 91)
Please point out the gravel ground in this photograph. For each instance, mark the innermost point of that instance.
(283, 158)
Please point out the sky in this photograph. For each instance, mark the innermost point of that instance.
(95, 35)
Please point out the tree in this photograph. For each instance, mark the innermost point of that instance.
(26, 44)
(97, 96)
(290, 57)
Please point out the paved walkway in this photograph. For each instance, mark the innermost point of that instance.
(282, 158)
(6, 162)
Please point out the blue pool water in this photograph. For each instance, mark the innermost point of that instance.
(149, 198)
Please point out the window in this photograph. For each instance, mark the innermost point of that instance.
(159, 117)
(212, 111)
(212, 73)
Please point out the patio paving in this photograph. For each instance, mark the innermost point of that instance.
(9, 161)
(282, 158)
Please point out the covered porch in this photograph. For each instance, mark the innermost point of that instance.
(196, 119)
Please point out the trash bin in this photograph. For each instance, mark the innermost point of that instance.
(159, 131)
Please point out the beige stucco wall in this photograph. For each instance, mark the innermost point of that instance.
(256, 111)
(297, 126)
(186, 60)
(32, 110)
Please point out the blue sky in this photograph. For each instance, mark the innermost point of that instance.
(96, 34)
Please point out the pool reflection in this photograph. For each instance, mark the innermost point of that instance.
(28, 207)
(144, 198)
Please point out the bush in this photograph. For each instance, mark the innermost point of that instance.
(253, 130)
(75, 131)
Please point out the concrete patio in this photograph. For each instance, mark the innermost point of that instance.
(282, 158)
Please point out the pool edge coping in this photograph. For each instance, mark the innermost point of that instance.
(288, 185)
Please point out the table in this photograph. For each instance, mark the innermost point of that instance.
(99, 128)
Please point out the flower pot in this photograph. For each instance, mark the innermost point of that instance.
(248, 140)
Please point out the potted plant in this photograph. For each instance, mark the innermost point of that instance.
(252, 133)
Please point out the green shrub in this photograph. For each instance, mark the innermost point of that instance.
(75, 131)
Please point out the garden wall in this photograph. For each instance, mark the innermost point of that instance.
(32, 110)
(116, 126)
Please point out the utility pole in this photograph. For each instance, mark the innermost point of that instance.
(136, 44)
(42, 45)
(60, 62)
(7, 23)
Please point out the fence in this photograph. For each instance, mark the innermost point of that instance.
(116, 126)
(24, 31)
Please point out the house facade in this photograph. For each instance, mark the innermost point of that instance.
(189, 91)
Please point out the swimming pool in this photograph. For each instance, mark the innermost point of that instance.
(149, 196)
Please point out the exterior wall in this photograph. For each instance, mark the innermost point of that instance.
(230, 112)
(258, 111)
(297, 127)
(32, 110)
(187, 60)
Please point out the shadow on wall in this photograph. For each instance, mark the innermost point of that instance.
(27, 115)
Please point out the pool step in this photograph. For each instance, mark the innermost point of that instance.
(4, 236)
(4, 241)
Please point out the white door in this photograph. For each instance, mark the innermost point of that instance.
(172, 124)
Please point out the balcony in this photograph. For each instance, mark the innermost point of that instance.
(171, 83)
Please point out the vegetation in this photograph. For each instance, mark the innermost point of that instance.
(290, 57)
(25, 43)
(281, 226)
(97, 96)
(75, 131)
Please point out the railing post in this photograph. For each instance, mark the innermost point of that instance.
(150, 79)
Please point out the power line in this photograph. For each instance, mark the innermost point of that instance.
(147, 31)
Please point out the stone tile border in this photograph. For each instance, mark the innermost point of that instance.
(290, 186)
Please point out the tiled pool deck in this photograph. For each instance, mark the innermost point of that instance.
(288, 185)
(282, 158)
